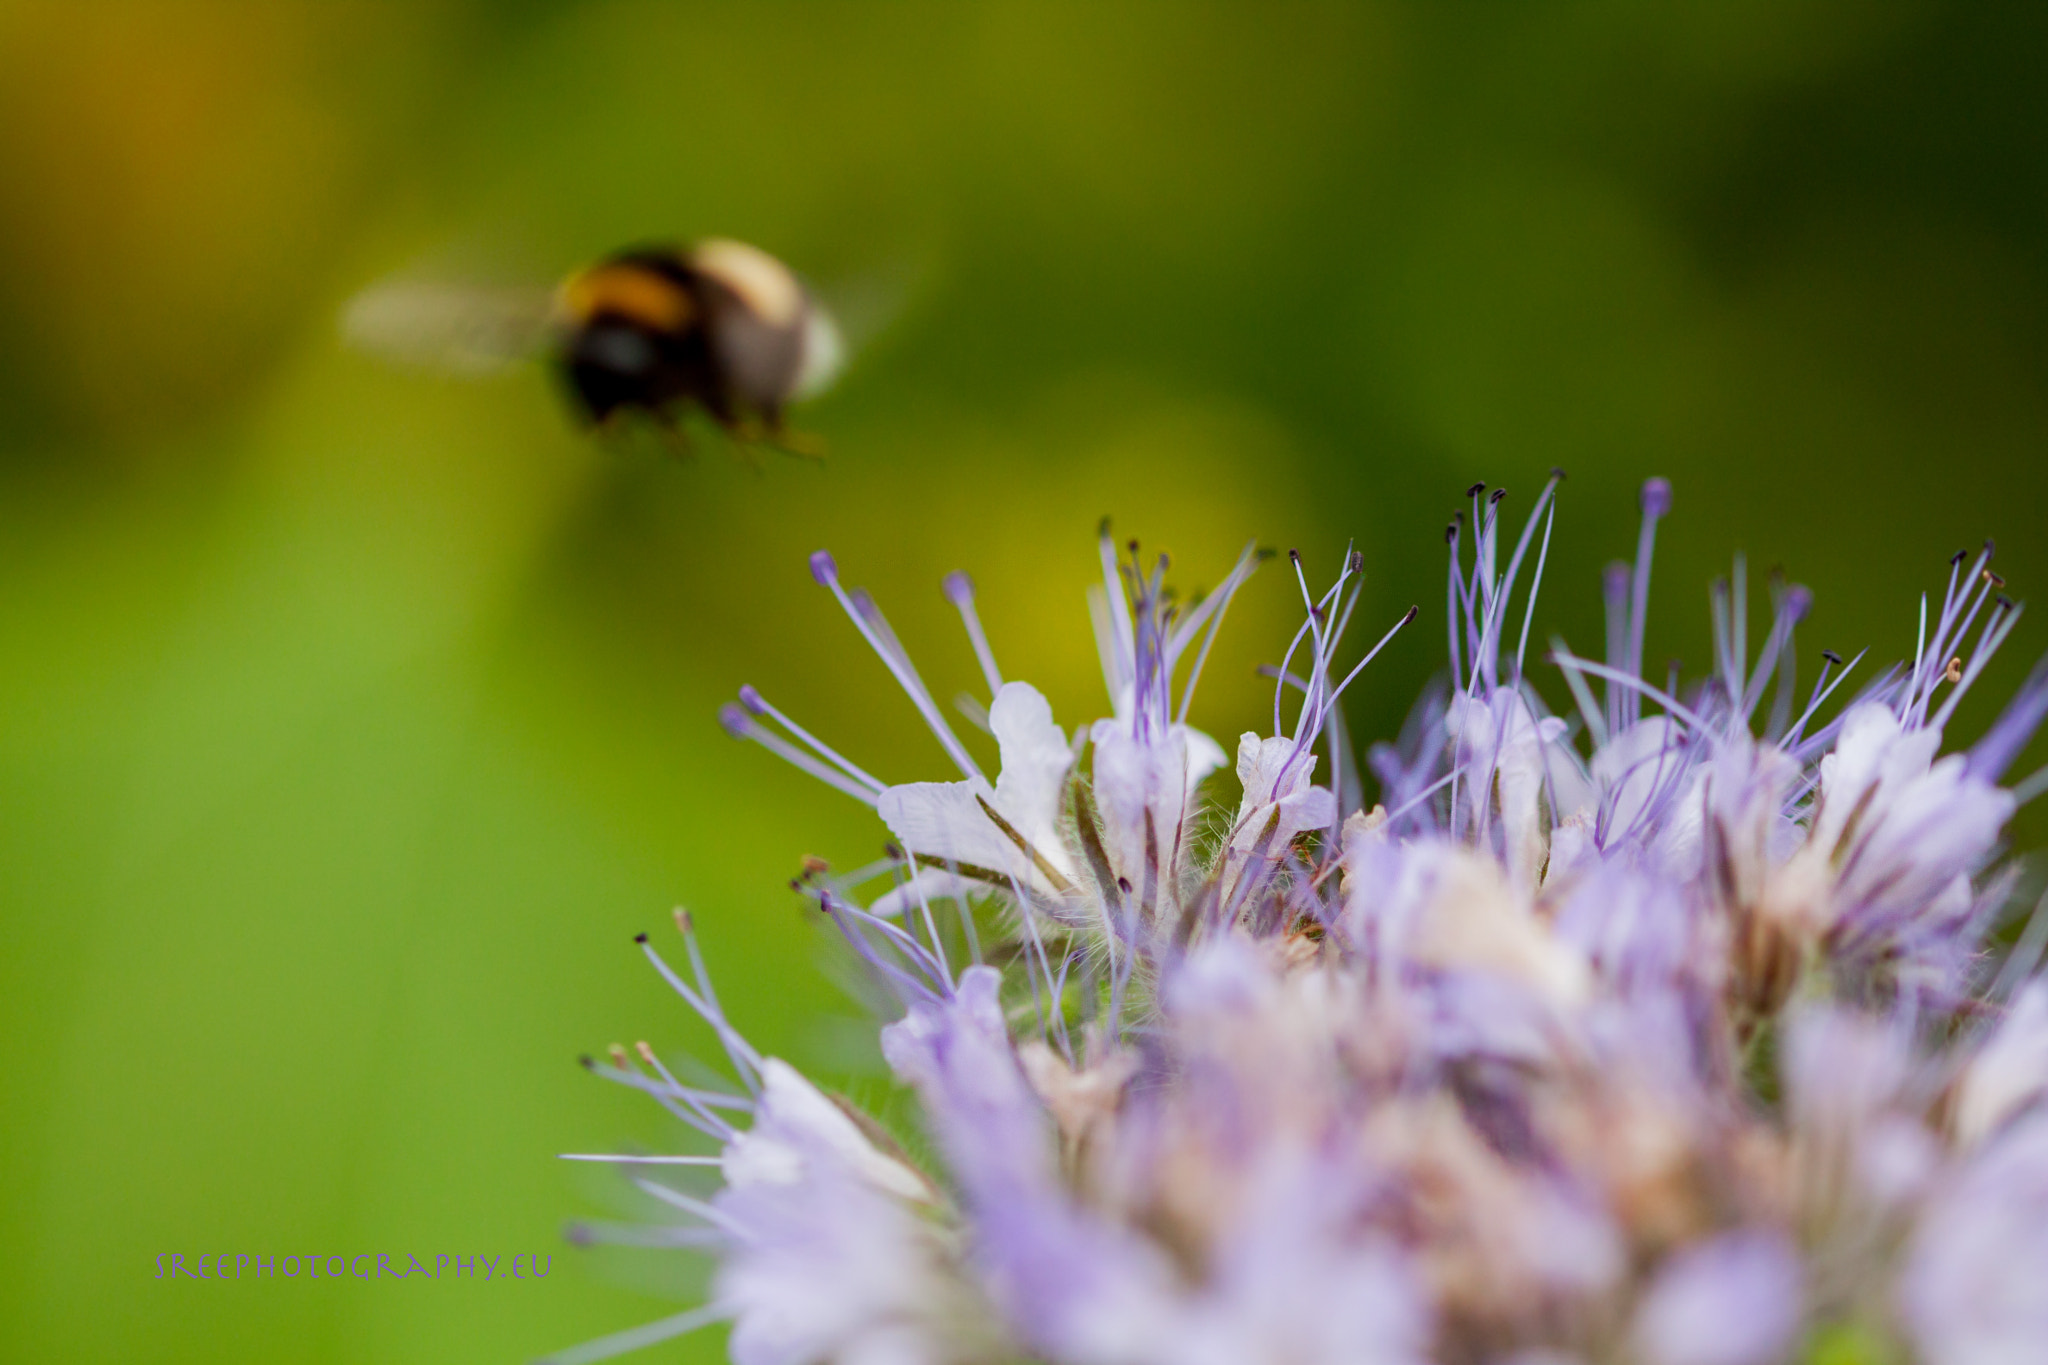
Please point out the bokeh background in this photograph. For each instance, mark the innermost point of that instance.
(352, 719)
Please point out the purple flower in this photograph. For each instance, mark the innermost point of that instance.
(1975, 1287)
(1733, 1300)
(1479, 1071)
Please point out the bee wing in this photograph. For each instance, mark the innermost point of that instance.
(461, 329)
(847, 316)
(824, 354)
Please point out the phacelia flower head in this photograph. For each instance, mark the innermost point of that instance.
(1668, 1027)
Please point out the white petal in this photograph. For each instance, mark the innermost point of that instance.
(2009, 1072)
(945, 820)
(795, 1115)
(929, 884)
(1036, 757)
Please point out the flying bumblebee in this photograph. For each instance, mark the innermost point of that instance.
(657, 332)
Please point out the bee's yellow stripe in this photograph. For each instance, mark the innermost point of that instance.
(630, 291)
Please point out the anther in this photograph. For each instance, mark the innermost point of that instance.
(1957, 558)
(824, 568)
(1993, 579)
(1413, 612)
(2006, 603)
(1498, 494)
(1451, 534)
(1656, 497)
(1475, 490)
(646, 1052)
(639, 938)
(1954, 671)
(1294, 555)
(587, 1062)
(751, 699)
(958, 587)
(1557, 473)
(815, 866)
(577, 1235)
(1123, 884)
(1102, 529)
(684, 924)
(1358, 561)
(736, 721)
(1798, 600)
(617, 1053)
(1831, 657)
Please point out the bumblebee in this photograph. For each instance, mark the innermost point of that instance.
(657, 332)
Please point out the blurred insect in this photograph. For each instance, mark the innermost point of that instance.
(655, 333)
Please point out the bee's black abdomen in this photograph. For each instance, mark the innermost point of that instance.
(608, 365)
(612, 363)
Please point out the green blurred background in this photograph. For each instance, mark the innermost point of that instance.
(352, 719)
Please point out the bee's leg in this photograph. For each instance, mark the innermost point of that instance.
(803, 444)
(749, 450)
(746, 440)
(672, 436)
(613, 432)
(739, 425)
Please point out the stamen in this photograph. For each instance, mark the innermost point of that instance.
(1453, 603)
(690, 1204)
(629, 1160)
(1959, 610)
(2001, 744)
(972, 711)
(1726, 677)
(1119, 648)
(1822, 690)
(758, 705)
(1656, 501)
(662, 1236)
(740, 725)
(839, 913)
(1614, 595)
(854, 921)
(2003, 618)
(959, 589)
(1738, 627)
(1582, 695)
(1546, 504)
(700, 1104)
(1793, 605)
(1210, 611)
(745, 1061)
(867, 619)
(1636, 685)
(662, 1329)
(1407, 618)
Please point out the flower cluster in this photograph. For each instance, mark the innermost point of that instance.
(1670, 1030)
